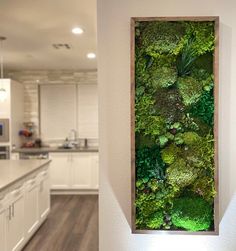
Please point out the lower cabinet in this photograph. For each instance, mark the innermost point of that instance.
(2, 229)
(31, 206)
(81, 171)
(15, 220)
(22, 210)
(74, 171)
(60, 170)
(44, 198)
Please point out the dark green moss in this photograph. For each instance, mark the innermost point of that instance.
(204, 108)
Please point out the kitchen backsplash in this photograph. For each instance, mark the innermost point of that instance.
(32, 79)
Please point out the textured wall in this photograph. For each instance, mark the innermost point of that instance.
(114, 114)
(31, 80)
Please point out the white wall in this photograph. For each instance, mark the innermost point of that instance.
(114, 111)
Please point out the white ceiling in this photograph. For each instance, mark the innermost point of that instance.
(31, 27)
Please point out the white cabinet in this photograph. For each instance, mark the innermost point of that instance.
(15, 220)
(57, 106)
(81, 171)
(95, 171)
(44, 199)
(3, 215)
(74, 171)
(15, 156)
(23, 208)
(31, 206)
(60, 170)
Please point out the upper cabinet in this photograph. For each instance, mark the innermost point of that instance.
(64, 107)
(58, 106)
(87, 111)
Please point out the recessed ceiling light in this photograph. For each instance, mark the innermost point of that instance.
(91, 55)
(77, 30)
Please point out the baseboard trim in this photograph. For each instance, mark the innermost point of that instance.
(69, 192)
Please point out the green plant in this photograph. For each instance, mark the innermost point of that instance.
(186, 59)
(146, 121)
(180, 174)
(149, 163)
(189, 123)
(204, 108)
(170, 153)
(204, 38)
(190, 89)
(192, 213)
(156, 220)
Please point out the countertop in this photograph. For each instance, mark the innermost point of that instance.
(54, 149)
(12, 171)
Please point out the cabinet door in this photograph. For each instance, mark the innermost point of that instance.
(81, 171)
(44, 196)
(31, 206)
(15, 156)
(60, 170)
(87, 111)
(95, 172)
(15, 223)
(3, 219)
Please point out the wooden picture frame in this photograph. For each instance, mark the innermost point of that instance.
(215, 19)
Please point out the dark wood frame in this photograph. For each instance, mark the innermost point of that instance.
(216, 101)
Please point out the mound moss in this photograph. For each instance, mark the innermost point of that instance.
(192, 214)
(180, 174)
(170, 153)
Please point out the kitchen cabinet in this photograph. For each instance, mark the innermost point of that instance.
(87, 111)
(57, 110)
(60, 170)
(68, 106)
(23, 207)
(3, 216)
(15, 156)
(95, 172)
(31, 206)
(44, 199)
(15, 220)
(74, 171)
(81, 171)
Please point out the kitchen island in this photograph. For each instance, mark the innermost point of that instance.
(24, 200)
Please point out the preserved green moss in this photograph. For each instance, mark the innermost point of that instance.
(190, 89)
(180, 174)
(162, 77)
(174, 123)
(169, 105)
(192, 214)
(170, 153)
(160, 37)
(190, 138)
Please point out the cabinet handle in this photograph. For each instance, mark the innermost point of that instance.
(41, 186)
(13, 210)
(9, 210)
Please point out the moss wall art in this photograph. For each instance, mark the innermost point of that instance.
(174, 124)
